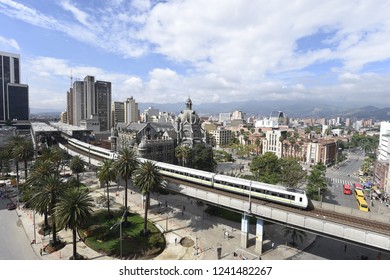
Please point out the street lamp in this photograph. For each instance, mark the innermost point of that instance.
(120, 231)
(250, 192)
(89, 155)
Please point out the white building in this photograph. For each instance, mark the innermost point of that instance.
(131, 110)
(220, 136)
(384, 140)
(272, 142)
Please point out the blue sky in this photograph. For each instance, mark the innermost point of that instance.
(212, 51)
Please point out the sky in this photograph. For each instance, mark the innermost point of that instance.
(208, 50)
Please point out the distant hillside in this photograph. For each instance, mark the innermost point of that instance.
(307, 109)
(369, 112)
(290, 108)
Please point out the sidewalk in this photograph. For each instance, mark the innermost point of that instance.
(184, 219)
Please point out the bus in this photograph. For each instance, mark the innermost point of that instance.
(362, 204)
(347, 189)
(359, 194)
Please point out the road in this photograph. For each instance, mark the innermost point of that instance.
(14, 244)
(329, 249)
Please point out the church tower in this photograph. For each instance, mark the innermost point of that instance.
(188, 127)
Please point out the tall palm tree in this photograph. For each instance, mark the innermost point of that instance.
(106, 174)
(53, 154)
(12, 147)
(24, 151)
(179, 154)
(36, 180)
(77, 166)
(147, 177)
(47, 198)
(73, 210)
(125, 166)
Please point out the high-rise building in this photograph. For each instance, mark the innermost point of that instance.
(131, 110)
(103, 104)
(89, 99)
(118, 112)
(14, 101)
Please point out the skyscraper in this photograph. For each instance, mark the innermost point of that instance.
(103, 104)
(88, 99)
(131, 110)
(14, 102)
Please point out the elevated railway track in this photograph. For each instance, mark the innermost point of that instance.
(367, 230)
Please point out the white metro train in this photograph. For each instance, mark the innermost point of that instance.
(279, 194)
(101, 152)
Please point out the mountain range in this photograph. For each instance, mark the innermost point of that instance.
(307, 109)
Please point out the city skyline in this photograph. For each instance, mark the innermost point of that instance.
(156, 51)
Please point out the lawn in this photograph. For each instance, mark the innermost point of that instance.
(103, 235)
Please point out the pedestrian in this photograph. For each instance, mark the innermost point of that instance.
(40, 251)
(175, 240)
(345, 247)
(273, 245)
(166, 203)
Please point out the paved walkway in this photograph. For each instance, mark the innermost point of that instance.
(208, 233)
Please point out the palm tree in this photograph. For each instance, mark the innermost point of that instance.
(73, 210)
(47, 198)
(77, 166)
(125, 165)
(106, 174)
(179, 154)
(147, 177)
(55, 155)
(24, 151)
(12, 147)
(36, 179)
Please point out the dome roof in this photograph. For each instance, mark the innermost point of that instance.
(189, 116)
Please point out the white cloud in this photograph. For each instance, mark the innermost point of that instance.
(9, 44)
(79, 15)
(232, 51)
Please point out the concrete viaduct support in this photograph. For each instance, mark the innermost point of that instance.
(245, 233)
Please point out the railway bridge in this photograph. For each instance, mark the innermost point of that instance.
(346, 224)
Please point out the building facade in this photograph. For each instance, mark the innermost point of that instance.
(90, 98)
(188, 127)
(103, 104)
(131, 111)
(220, 136)
(14, 96)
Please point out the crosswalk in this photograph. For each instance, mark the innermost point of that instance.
(339, 181)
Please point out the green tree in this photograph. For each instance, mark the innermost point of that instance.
(203, 158)
(73, 211)
(292, 173)
(266, 168)
(77, 166)
(183, 154)
(316, 182)
(147, 178)
(13, 149)
(54, 154)
(24, 151)
(36, 181)
(106, 174)
(47, 198)
(125, 166)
